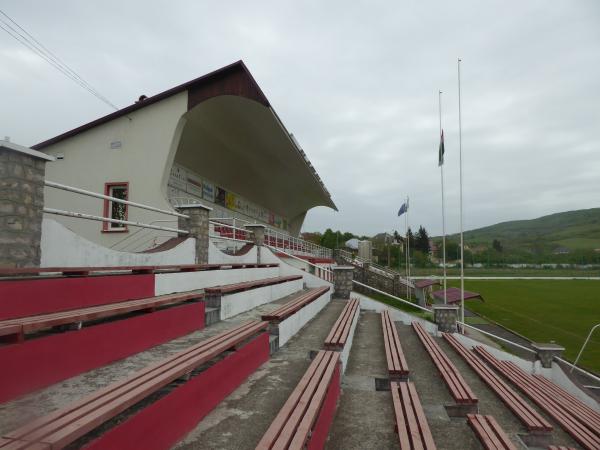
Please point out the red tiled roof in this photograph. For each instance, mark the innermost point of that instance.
(453, 295)
(426, 283)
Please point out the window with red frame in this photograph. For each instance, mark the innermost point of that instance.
(115, 210)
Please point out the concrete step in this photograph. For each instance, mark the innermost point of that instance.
(240, 421)
(365, 417)
(448, 433)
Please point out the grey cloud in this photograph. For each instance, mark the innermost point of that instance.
(356, 82)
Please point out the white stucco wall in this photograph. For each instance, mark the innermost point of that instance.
(148, 136)
(62, 247)
(167, 283)
(239, 302)
(216, 256)
(290, 326)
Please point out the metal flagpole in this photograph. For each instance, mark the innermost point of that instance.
(406, 247)
(462, 256)
(407, 225)
(443, 207)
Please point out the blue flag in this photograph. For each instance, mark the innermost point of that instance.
(403, 208)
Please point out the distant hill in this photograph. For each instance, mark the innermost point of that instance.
(564, 232)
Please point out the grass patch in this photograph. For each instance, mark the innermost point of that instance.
(400, 305)
(544, 311)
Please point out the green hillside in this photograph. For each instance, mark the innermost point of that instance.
(571, 236)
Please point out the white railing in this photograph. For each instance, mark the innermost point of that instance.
(323, 272)
(126, 244)
(293, 245)
(279, 240)
(414, 305)
(64, 187)
(223, 231)
(377, 268)
(132, 223)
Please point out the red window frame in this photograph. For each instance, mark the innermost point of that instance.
(106, 208)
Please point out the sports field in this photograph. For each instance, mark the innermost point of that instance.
(544, 310)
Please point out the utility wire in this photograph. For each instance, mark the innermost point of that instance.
(39, 49)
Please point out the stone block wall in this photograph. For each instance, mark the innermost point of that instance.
(445, 317)
(342, 281)
(378, 281)
(21, 208)
(198, 226)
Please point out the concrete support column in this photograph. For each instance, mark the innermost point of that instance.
(22, 173)
(342, 281)
(547, 352)
(445, 317)
(198, 226)
(258, 236)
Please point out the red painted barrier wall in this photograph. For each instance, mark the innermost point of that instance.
(167, 421)
(325, 419)
(20, 298)
(37, 363)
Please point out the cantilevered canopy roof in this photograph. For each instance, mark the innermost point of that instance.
(233, 134)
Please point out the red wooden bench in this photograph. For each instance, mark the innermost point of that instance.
(459, 389)
(397, 366)
(62, 427)
(411, 424)
(246, 285)
(84, 271)
(337, 337)
(489, 432)
(533, 420)
(15, 329)
(567, 418)
(580, 410)
(295, 425)
(295, 305)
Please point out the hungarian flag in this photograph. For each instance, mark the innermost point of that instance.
(441, 151)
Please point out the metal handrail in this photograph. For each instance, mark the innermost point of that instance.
(324, 269)
(135, 233)
(60, 212)
(64, 187)
(585, 344)
(522, 347)
(579, 369)
(414, 305)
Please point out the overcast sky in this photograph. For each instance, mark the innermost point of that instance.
(357, 84)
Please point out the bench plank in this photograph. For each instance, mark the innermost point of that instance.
(533, 420)
(65, 425)
(294, 305)
(393, 350)
(412, 427)
(30, 324)
(489, 432)
(238, 287)
(460, 390)
(336, 339)
(522, 380)
(292, 426)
